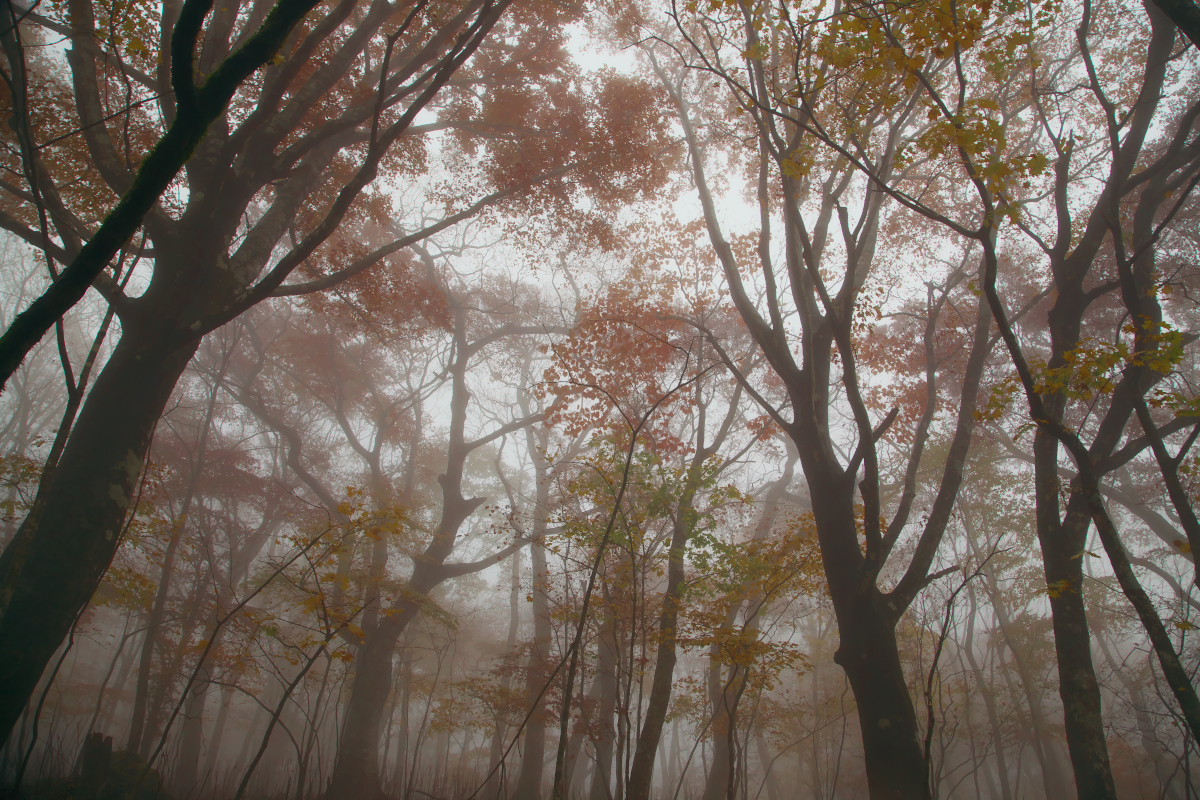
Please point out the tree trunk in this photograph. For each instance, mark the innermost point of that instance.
(216, 737)
(719, 698)
(606, 686)
(895, 763)
(81, 508)
(770, 779)
(533, 758)
(496, 768)
(187, 763)
(400, 775)
(641, 775)
(987, 693)
(137, 742)
(1062, 544)
(867, 651)
(356, 767)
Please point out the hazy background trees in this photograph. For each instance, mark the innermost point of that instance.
(726, 400)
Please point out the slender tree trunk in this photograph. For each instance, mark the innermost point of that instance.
(986, 691)
(533, 756)
(137, 718)
(1053, 778)
(187, 762)
(500, 716)
(81, 509)
(771, 780)
(641, 775)
(1166, 772)
(1062, 544)
(606, 684)
(216, 737)
(139, 734)
(400, 773)
(717, 780)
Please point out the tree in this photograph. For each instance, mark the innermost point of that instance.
(799, 283)
(195, 109)
(306, 149)
(197, 282)
(1095, 212)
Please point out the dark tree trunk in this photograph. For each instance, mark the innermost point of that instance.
(1062, 543)
(356, 768)
(867, 650)
(895, 762)
(81, 508)
(641, 775)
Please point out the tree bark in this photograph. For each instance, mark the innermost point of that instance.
(894, 761)
(81, 509)
(356, 767)
(1062, 544)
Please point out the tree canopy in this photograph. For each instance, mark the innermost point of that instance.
(548, 399)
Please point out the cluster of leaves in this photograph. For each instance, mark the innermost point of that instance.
(625, 360)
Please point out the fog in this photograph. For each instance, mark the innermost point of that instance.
(492, 400)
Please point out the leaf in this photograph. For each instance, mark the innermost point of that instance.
(1059, 588)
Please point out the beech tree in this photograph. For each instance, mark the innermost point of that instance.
(306, 148)
(799, 283)
(1020, 159)
(258, 160)
(919, 105)
(854, 450)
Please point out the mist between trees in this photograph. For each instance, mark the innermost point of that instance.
(502, 399)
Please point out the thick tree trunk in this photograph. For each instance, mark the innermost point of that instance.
(867, 650)
(81, 508)
(356, 768)
(895, 762)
